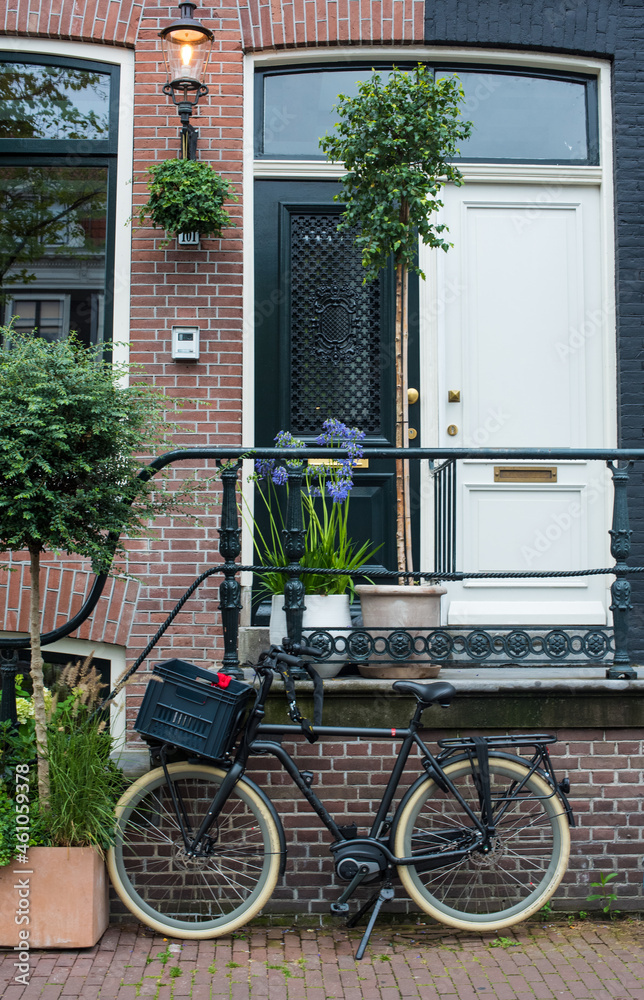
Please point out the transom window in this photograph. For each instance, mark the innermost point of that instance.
(58, 145)
(518, 117)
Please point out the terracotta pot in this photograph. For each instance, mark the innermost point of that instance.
(62, 891)
(405, 608)
(326, 612)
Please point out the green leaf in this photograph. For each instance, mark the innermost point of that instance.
(397, 139)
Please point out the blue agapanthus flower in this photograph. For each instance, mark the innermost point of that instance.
(265, 467)
(334, 481)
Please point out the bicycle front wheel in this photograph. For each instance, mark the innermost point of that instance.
(493, 890)
(208, 895)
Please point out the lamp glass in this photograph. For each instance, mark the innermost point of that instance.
(186, 53)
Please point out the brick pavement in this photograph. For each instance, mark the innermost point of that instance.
(552, 961)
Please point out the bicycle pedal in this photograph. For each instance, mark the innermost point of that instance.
(339, 907)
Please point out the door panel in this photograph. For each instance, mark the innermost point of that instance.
(523, 340)
(324, 341)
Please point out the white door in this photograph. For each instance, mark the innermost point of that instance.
(521, 329)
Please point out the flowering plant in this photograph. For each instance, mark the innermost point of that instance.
(85, 782)
(325, 508)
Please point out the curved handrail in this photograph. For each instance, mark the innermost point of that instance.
(236, 453)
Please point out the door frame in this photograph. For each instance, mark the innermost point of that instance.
(485, 173)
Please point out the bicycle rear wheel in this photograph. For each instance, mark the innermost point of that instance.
(485, 891)
(200, 897)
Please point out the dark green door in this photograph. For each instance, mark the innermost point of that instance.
(324, 341)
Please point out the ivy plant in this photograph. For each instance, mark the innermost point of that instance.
(397, 138)
(187, 196)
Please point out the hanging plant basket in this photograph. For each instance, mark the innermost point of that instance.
(187, 196)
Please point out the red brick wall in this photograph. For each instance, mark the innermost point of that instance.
(113, 22)
(172, 286)
(287, 23)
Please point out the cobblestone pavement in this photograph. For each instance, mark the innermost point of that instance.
(584, 961)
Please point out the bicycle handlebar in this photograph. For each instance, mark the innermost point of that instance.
(292, 658)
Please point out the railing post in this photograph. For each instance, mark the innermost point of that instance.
(294, 546)
(229, 548)
(620, 546)
(9, 667)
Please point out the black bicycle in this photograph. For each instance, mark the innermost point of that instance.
(480, 841)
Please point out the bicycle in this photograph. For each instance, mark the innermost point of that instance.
(480, 841)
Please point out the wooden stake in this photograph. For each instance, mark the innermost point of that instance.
(400, 472)
(37, 679)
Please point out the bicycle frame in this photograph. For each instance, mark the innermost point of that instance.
(431, 765)
(252, 744)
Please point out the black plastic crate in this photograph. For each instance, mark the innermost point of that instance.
(187, 708)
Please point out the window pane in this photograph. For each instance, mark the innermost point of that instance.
(515, 117)
(53, 102)
(52, 239)
(523, 117)
(298, 109)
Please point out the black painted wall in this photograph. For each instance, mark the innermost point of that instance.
(612, 29)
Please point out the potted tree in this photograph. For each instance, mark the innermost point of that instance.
(55, 856)
(187, 196)
(70, 430)
(397, 139)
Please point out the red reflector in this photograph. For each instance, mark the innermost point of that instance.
(393, 732)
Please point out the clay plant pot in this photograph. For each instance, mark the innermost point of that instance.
(59, 897)
(407, 608)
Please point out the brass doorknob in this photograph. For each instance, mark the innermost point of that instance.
(412, 396)
(452, 430)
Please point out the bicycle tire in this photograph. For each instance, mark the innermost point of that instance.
(486, 892)
(202, 897)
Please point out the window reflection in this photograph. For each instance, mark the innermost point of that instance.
(52, 248)
(523, 117)
(298, 109)
(53, 102)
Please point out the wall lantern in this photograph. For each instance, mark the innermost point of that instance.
(186, 46)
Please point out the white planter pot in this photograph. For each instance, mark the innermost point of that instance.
(327, 612)
(399, 607)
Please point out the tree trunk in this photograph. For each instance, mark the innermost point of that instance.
(403, 507)
(38, 681)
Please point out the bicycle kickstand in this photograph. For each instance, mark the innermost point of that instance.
(384, 895)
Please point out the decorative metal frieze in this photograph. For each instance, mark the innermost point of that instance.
(462, 646)
(335, 337)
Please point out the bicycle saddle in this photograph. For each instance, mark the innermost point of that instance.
(440, 692)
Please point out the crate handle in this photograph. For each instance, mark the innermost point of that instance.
(187, 695)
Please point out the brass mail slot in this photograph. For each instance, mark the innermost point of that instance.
(333, 463)
(525, 473)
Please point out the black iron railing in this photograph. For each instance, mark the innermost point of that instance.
(476, 645)
(444, 478)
